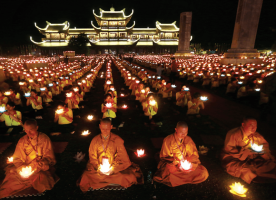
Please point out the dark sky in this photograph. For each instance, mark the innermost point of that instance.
(213, 20)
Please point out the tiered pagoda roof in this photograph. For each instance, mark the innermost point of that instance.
(54, 28)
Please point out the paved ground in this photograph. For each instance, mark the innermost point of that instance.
(220, 115)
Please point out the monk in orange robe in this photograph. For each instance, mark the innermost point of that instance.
(241, 160)
(109, 147)
(32, 150)
(179, 163)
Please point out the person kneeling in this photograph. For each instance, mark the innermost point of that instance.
(33, 151)
(109, 163)
(179, 162)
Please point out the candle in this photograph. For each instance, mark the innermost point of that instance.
(28, 94)
(152, 102)
(185, 165)
(59, 111)
(124, 106)
(238, 189)
(42, 89)
(10, 160)
(85, 132)
(108, 105)
(173, 86)
(105, 166)
(2, 109)
(7, 93)
(69, 94)
(140, 153)
(203, 98)
(26, 172)
(90, 117)
(256, 147)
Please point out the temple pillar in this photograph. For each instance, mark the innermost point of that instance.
(184, 35)
(244, 36)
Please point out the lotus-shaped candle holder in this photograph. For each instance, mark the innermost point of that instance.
(105, 166)
(203, 98)
(140, 153)
(108, 105)
(90, 117)
(124, 106)
(10, 160)
(152, 102)
(59, 111)
(238, 189)
(26, 172)
(28, 94)
(173, 86)
(85, 132)
(2, 109)
(185, 165)
(256, 147)
(8, 93)
(69, 94)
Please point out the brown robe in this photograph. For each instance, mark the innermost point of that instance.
(170, 174)
(125, 172)
(247, 167)
(42, 179)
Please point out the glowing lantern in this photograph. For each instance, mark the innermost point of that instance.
(7, 93)
(240, 82)
(59, 111)
(137, 81)
(31, 80)
(152, 102)
(256, 147)
(257, 89)
(76, 89)
(28, 94)
(108, 82)
(21, 83)
(238, 189)
(122, 95)
(260, 81)
(143, 91)
(26, 172)
(112, 89)
(140, 153)
(42, 89)
(108, 105)
(241, 77)
(90, 117)
(173, 86)
(69, 94)
(105, 166)
(185, 165)
(203, 98)
(124, 106)
(186, 89)
(10, 160)
(85, 132)
(2, 109)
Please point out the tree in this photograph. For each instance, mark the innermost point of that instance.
(79, 43)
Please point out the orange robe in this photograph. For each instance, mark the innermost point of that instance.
(24, 155)
(247, 167)
(170, 174)
(125, 172)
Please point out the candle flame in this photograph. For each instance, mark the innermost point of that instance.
(59, 111)
(124, 106)
(26, 172)
(7, 93)
(238, 189)
(256, 147)
(105, 166)
(10, 160)
(203, 98)
(152, 102)
(140, 152)
(2, 109)
(90, 117)
(69, 94)
(85, 132)
(185, 165)
(109, 105)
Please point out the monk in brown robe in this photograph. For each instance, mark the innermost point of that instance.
(240, 160)
(178, 149)
(35, 150)
(109, 147)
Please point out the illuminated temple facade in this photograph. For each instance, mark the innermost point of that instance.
(111, 33)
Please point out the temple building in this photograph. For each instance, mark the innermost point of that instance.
(112, 34)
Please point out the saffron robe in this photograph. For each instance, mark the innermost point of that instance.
(24, 155)
(247, 167)
(171, 175)
(125, 172)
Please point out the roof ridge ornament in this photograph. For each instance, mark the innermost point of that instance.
(112, 9)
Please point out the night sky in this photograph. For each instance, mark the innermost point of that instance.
(213, 20)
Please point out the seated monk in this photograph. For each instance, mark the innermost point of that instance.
(32, 150)
(240, 160)
(108, 147)
(178, 148)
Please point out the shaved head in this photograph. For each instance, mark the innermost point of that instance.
(182, 124)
